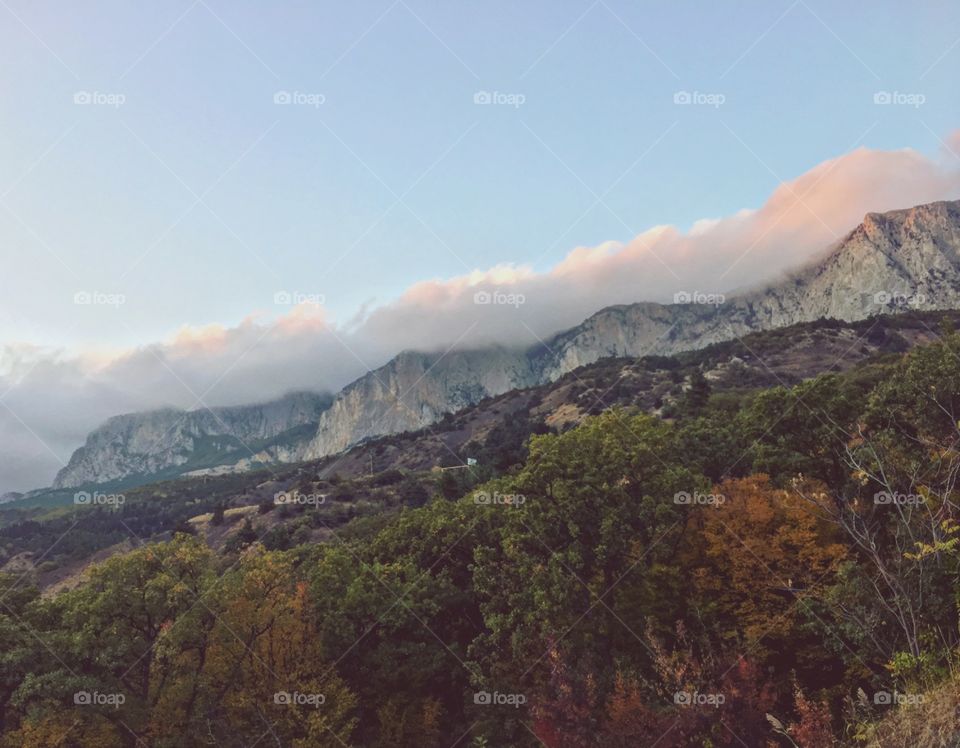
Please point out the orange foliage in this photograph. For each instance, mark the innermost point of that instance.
(765, 549)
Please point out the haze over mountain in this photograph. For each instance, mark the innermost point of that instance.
(903, 259)
(180, 441)
(56, 397)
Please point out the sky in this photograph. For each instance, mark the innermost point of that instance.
(208, 203)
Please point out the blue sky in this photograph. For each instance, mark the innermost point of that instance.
(296, 193)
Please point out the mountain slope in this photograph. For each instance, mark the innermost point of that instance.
(901, 260)
(904, 259)
(170, 441)
(414, 390)
(785, 356)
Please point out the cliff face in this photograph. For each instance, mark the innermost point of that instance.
(414, 390)
(905, 259)
(172, 441)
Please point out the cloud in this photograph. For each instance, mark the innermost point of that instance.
(55, 397)
(800, 220)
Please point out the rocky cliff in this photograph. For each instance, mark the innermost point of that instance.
(904, 259)
(415, 390)
(169, 442)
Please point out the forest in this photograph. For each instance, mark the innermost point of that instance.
(774, 567)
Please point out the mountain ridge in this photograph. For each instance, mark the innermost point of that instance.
(158, 440)
(906, 259)
(884, 264)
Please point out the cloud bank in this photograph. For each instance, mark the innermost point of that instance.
(50, 399)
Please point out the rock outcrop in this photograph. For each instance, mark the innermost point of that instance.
(904, 259)
(168, 442)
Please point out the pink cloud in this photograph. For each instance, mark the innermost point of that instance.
(62, 395)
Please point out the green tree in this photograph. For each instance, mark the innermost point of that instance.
(582, 559)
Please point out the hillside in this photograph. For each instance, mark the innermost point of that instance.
(896, 261)
(138, 447)
(386, 473)
(892, 262)
(807, 534)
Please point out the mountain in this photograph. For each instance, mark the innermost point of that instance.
(901, 260)
(414, 390)
(896, 261)
(382, 474)
(654, 384)
(167, 442)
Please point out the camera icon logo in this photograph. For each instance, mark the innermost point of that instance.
(282, 97)
(482, 697)
(482, 97)
(82, 97)
(482, 297)
(682, 97)
(882, 97)
(882, 297)
(82, 497)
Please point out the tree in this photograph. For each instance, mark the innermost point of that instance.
(592, 510)
(900, 509)
(698, 395)
(765, 551)
(261, 667)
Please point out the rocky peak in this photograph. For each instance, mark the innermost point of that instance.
(904, 259)
(169, 441)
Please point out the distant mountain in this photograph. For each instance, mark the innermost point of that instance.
(904, 259)
(417, 389)
(168, 442)
(785, 356)
(901, 260)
